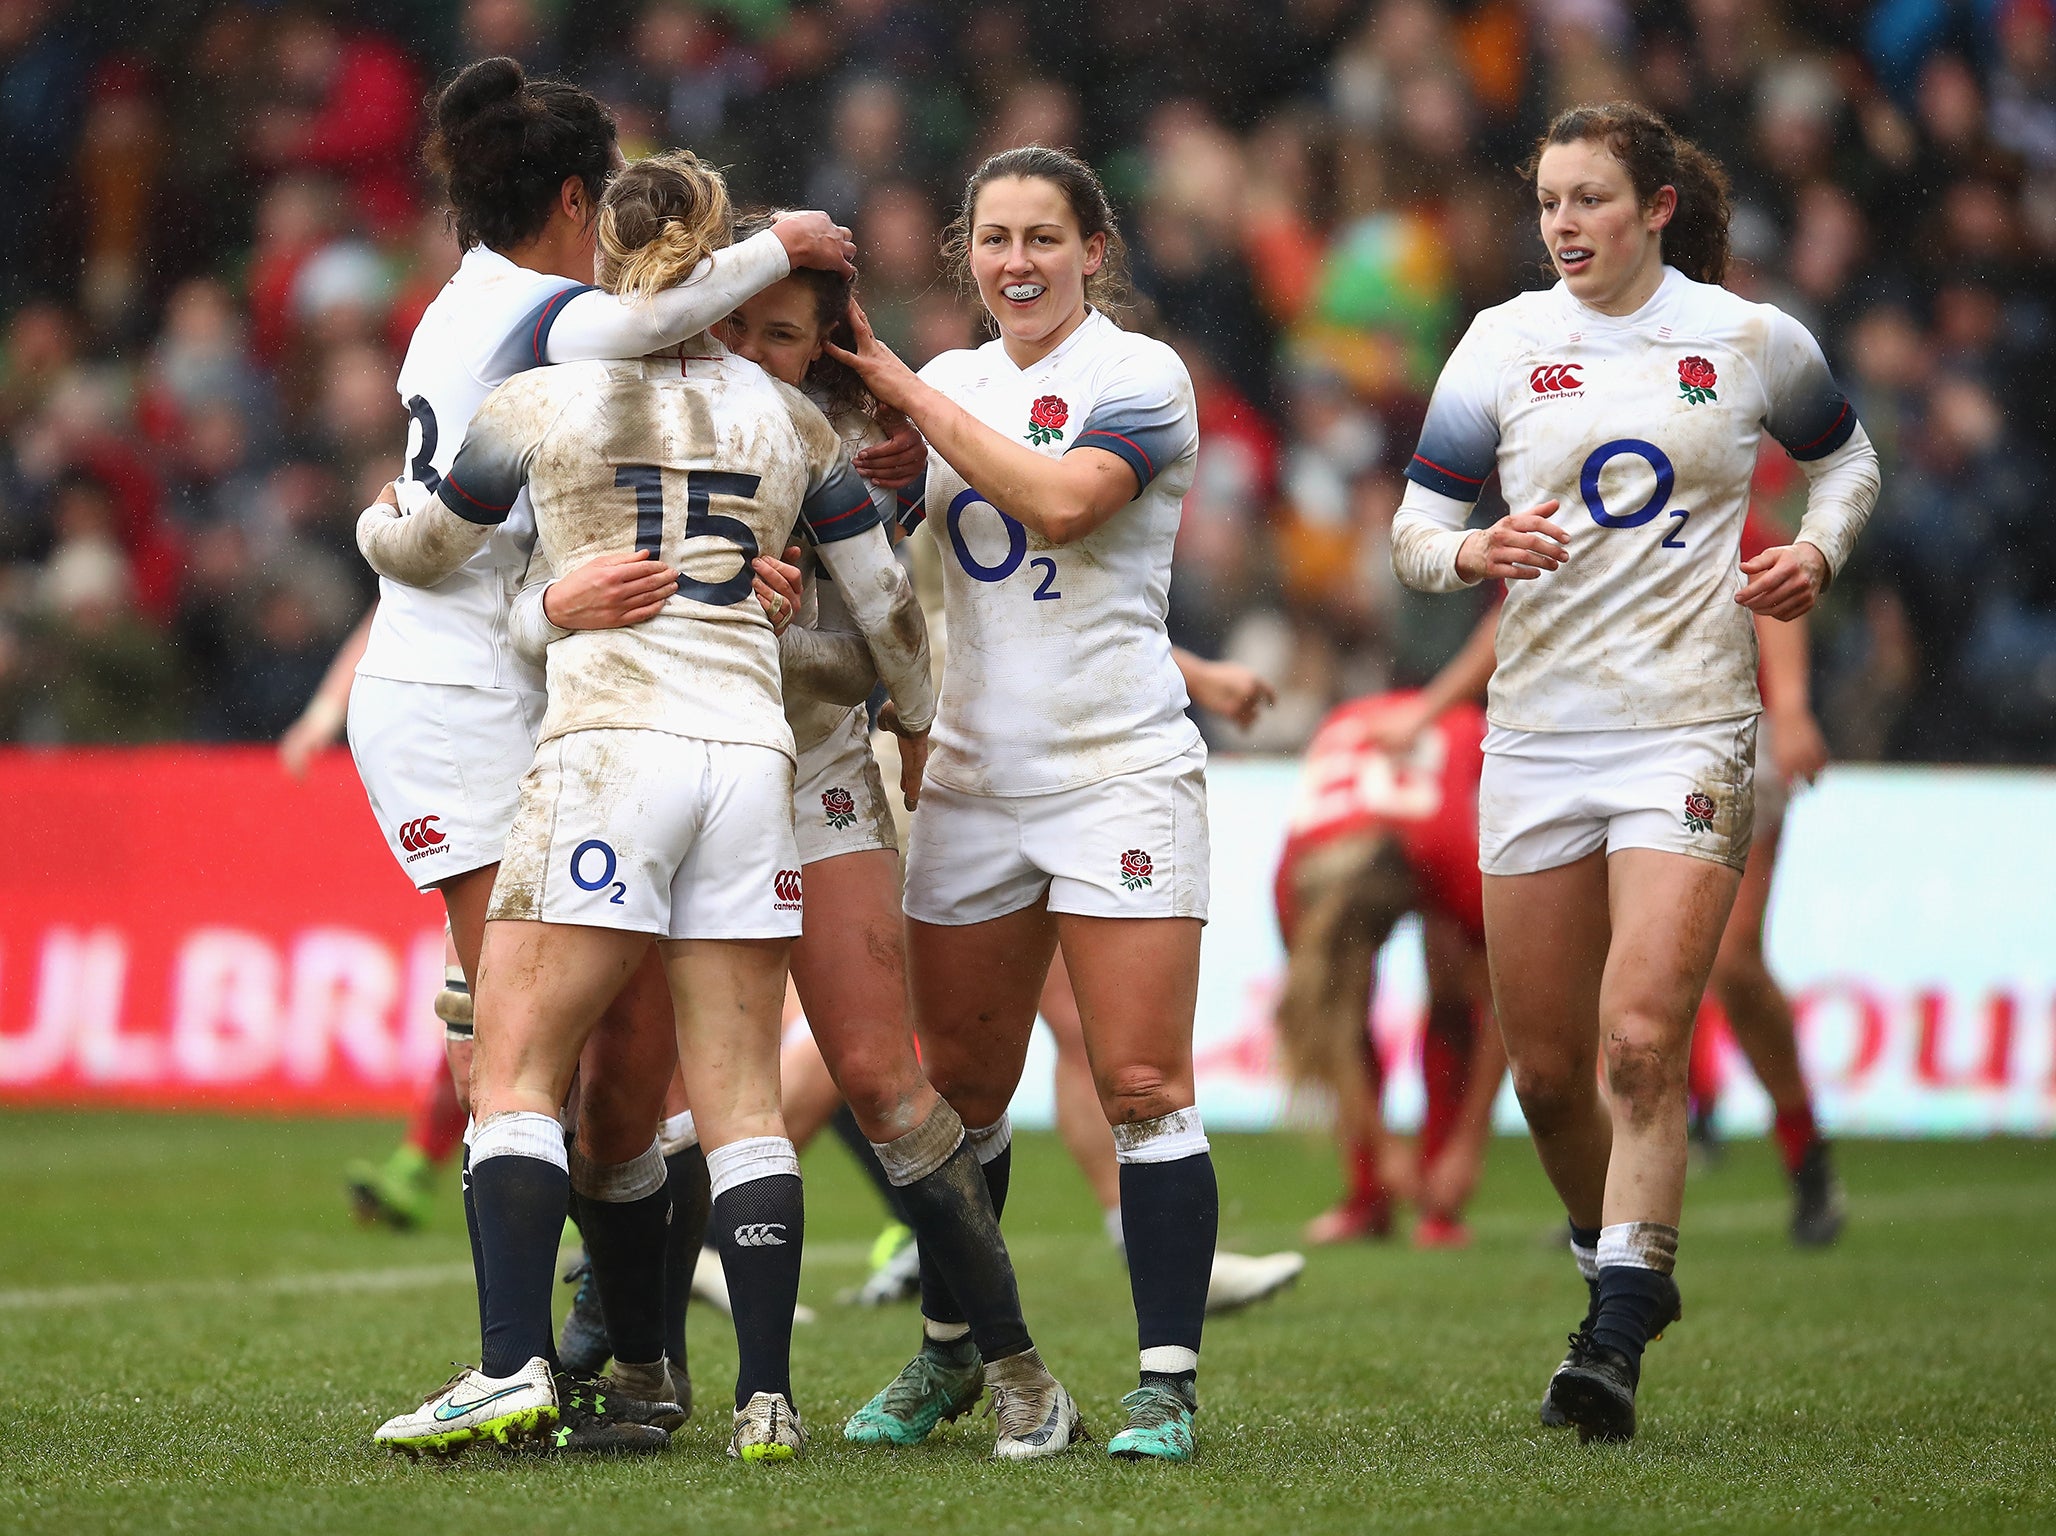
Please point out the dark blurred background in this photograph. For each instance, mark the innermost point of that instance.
(218, 237)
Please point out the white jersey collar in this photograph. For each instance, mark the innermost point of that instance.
(1585, 318)
(1090, 325)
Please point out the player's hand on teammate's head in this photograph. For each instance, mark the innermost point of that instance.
(913, 754)
(1231, 690)
(812, 239)
(1785, 582)
(894, 463)
(1519, 547)
(777, 584)
(888, 379)
(610, 591)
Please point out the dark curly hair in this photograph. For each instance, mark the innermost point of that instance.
(503, 145)
(1107, 289)
(1656, 156)
(837, 387)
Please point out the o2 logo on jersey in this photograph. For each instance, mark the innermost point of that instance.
(1659, 499)
(585, 858)
(1017, 548)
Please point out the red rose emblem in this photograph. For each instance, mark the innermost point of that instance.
(841, 807)
(1696, 379)
(1699, 812)
(1136, 869)
(1046, 418)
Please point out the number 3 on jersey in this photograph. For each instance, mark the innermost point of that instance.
(701, 485)
(1666, 479)
(1017, 549)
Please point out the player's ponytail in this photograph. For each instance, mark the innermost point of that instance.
(660, 219)
(1656, 156)
(503, 146)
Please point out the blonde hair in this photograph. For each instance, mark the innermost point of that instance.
(661, 218)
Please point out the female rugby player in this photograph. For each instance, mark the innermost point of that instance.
(1622, 409)
(1065, 795)
(848, 962)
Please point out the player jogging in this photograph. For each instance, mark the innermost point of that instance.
(1065, 800)
(1622, 409)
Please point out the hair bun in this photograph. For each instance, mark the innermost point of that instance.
(476, 91)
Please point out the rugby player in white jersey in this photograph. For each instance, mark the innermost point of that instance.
(848, 962)
(1622, 409)
(442, 715)
(1065, 796)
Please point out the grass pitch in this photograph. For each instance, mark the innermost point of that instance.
(193, 1337)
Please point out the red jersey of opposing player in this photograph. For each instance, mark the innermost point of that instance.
(1427, 799)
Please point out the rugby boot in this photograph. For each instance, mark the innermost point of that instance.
(767, 1429)
(1035, 1414)
(392, 1193)
(1160, 1426)
(1819, 1207)
(1552, 1418)
(1240, 1279)
(474, 1406)
(1593, 1391)
(941, 1383)
(895, 1270)
(583, 1345)
(1355, 1218)
(593, 1420)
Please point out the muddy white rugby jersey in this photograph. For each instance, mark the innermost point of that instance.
(702, 459)
(1645, 428)
(492, 320)
(1060, 669)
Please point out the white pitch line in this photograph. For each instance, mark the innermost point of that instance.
(1977, 1201)
(333, 1282)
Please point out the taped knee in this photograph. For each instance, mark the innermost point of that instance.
(453, 1005)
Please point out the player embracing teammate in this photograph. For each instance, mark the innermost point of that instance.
(1622, 410)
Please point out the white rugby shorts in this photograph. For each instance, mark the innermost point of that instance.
(839, 802)
(1548, 798)
(442, 765)
(1131, 846)
(654, 833)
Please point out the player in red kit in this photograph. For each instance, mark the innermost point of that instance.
(1379, 833)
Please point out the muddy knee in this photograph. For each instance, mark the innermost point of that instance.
(1645, 1074)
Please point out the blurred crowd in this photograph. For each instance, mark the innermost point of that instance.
(219, 235)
